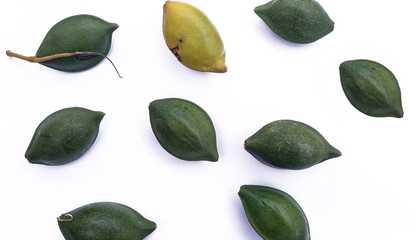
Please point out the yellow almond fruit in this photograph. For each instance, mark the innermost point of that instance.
(192, 38)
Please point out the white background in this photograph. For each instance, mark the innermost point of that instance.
(367, 193)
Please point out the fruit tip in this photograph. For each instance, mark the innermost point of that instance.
(219, 68)
(213, 156)
(245, 144)
(224, 70)
(243, 190)
(399, 114)
(334, 153)
(338, 153)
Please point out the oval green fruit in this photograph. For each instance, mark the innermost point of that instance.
(104, 221)
(297, 21)
(289, 144)
(273, 213)
(79, 33)
(192, 38)
(64, 136)
(183, 129)
(371, 88)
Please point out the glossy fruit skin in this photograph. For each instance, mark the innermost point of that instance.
(64, 136)
(193, 38)
(79, 33)
(105, 221)
(274, 214)
(371, 88)
(289, 144)
(183, 129)
(297, 21)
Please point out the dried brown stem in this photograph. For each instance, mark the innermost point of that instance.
(35, 59)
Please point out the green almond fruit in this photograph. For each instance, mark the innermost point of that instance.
(289, 144)
(80, 33)
(64, 136)
(193, 38)
(104, 221)
(371, 88)
(297, 21)
(273, 213)
(183, 129)
(74, 44)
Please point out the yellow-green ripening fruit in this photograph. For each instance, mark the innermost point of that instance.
(192, 38)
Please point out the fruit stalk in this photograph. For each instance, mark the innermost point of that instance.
(65, 218)
(34, 59)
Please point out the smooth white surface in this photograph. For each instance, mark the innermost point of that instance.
(367, 193)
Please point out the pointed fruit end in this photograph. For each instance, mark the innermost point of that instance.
(399, 113)
(213, 156)
(218, 67)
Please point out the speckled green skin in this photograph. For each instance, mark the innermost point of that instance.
(371, 88)
(297, 21)
(289, 144)
(183, 129)
(80, 33)
(274, 214)
(105, 221)
(64, 136)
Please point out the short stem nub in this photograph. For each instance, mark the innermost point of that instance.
(65, 218)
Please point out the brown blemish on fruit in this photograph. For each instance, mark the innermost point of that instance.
(175, 50)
